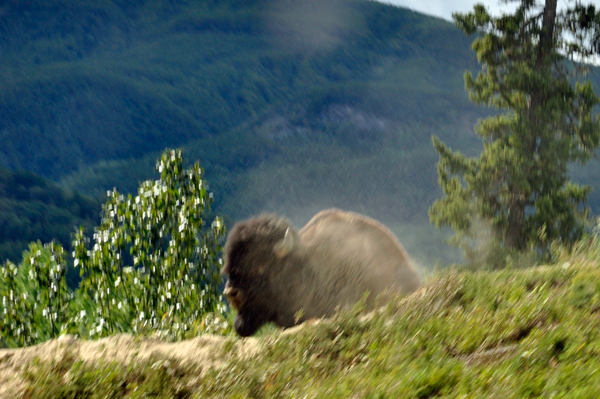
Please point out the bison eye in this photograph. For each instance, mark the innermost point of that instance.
(234, 279)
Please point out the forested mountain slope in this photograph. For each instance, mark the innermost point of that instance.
(83, 82)
(292, 106)
(32, 208)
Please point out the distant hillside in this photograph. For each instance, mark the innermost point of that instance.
(291, 106)
(84, 82)
(31, 208)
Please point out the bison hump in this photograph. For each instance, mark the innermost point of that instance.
(355, 251)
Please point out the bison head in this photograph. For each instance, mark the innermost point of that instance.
(254, 254)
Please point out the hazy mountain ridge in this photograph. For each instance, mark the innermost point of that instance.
(89, 82)
(291, 106)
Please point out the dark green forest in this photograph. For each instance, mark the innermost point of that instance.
(291, 106)
(32, 208)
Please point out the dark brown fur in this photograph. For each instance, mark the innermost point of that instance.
(274, 271)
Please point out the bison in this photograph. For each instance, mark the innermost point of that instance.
(279, 275)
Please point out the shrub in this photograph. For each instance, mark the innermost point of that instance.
(35, 296)
(153, 268)
(153, 265)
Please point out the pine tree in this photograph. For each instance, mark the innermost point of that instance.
(519, 184)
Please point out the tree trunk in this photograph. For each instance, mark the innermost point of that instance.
(547, 35)
(514, 236)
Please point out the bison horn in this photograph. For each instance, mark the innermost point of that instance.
(285, 245)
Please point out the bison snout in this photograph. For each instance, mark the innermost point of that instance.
(234, 296)
(231, 292)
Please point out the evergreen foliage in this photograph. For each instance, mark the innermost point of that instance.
(519, 184)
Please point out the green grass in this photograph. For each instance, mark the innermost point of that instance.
(515, 333)
(152, 378)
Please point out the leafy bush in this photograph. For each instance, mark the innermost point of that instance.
(174, 279)
(35, 296)
(153, 268)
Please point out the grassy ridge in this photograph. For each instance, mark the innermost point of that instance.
(514, 333)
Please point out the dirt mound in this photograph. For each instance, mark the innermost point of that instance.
(205, 352)
(202, 353)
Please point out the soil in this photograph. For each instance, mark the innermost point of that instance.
(202, 351)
